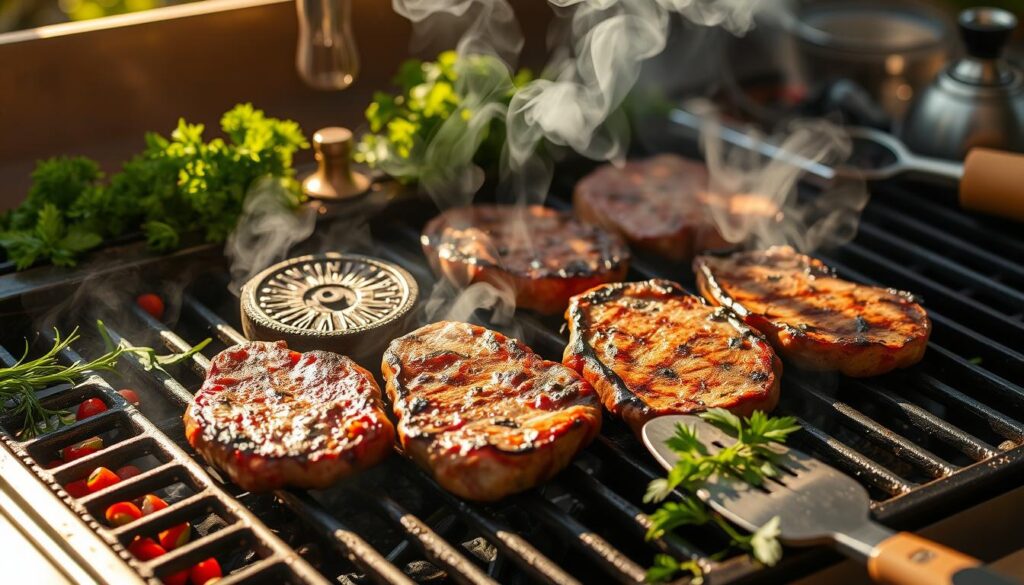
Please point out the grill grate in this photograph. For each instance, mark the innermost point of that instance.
(925, 441)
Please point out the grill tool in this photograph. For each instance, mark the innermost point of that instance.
(817, 504)
(988, 180)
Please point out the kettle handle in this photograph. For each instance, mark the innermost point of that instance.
(993, 183)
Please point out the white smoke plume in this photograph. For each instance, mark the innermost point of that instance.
(754, 200)
(265, 231)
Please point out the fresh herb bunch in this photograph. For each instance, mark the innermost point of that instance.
(175, 185)
(457, 88)
(20, 382)
(749, 459)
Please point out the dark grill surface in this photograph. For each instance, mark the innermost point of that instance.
(926, 441)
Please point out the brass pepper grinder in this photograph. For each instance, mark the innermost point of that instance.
(334, 177)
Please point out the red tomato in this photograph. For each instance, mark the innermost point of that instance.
(145, 549)
(77, 489)
(81, 449)
(53, 464)
(151, 503)
(130, 395)
(151, 304)
(101, 478)
(90, 407)
(205, 571)
(127, 471)
(175, 536)
(179, 578)
(122, 513)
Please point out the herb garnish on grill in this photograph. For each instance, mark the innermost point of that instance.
(749, 459)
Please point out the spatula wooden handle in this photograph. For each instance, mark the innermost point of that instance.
(908, 559)
(993, 183)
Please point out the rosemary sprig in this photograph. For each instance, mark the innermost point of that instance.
(20, 383)
(749, 459)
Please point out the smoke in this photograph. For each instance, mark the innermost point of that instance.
(754, 200)
(266, 231)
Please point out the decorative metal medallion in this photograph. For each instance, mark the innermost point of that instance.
(326, 301)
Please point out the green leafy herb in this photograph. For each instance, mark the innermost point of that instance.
(20, 382)
(176, 184)
(749, 458)
(447, 113)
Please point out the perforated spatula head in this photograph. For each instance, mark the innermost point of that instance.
(815, 503)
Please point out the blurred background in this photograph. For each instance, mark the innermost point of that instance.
(22, 14)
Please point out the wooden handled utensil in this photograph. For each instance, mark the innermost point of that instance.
(816, 504)
(990, 181)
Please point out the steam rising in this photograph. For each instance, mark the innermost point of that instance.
(760, 195)
(266, 230)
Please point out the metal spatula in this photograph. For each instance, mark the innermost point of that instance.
(816, 504)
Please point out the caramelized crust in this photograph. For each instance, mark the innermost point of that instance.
(651, 349)
(270, 417)
(544, 255)
(482, 413)
(813, 318)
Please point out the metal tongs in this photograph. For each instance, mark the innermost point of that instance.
(990, 181)
(816, 504)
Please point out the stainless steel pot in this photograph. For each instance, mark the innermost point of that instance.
(891, 49)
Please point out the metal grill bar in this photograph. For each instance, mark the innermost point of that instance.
(975, 448)
(919, 456)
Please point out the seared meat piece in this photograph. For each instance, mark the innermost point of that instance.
(482, 413)
(657, 204)
(651, 349)
(271, 417)
(545, 256)
(813, 318)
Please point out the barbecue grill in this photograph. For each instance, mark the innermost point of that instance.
(925, 441)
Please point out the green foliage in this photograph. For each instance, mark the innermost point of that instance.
(176, 184)
(451, 90)
(749, 458)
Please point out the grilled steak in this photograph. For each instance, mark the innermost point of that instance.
(482, 413)
(545, 256)
(657, 205)
(651, 349)
(813, 318)
(270, 417)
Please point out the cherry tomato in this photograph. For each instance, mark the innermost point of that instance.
(130, 395)
(175, 536)
(101, 478)
(77, 489)
(151, 503)
(127, 471)
(90, 407)
(81, 449)
(145, 549)
(151, 304)
(205, 571)
(54, 463)
(179, 578)
(122, 513)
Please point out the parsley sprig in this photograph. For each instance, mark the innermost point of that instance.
(750, 459)
(177, 184)
(20, 383)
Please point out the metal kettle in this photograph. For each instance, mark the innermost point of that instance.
(977, 100)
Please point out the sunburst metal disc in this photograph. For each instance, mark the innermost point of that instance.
(340, 302)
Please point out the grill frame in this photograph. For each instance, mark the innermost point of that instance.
(908, 505)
